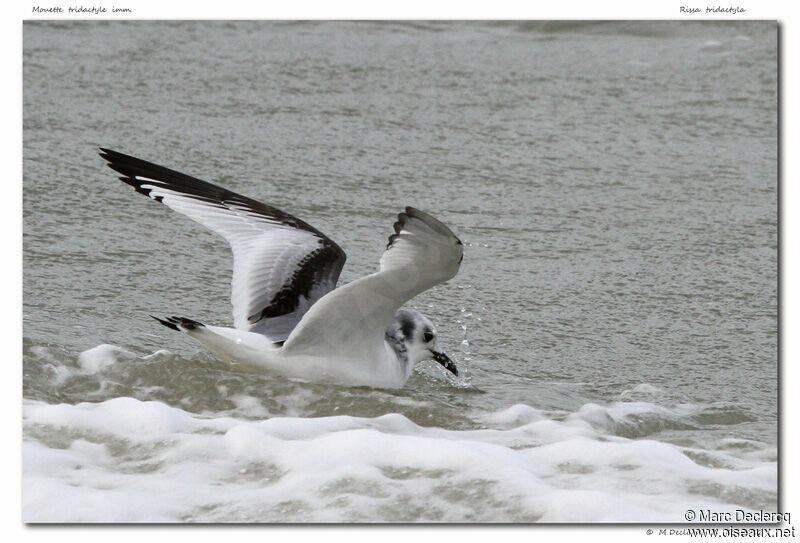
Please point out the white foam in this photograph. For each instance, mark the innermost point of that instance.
(641, 391)
(712, 45)
(90, 362)
(60, 372)
(132, 461)
(607, 417)
(516, 415)
(101, 357)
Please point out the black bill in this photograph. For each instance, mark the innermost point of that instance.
(445, 361)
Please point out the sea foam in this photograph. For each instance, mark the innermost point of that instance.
(126, 460)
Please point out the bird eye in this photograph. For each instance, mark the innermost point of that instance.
(428, 337)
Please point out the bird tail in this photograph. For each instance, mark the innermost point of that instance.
(179, 323)
(220, 341)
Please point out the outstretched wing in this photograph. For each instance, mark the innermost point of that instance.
(351, 320)
(281, 265)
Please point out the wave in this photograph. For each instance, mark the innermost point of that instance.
(127, 460)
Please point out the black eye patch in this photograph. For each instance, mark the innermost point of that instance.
(428, 337)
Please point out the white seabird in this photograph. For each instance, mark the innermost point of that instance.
(289, 317)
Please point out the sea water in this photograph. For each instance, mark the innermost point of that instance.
(614, 319)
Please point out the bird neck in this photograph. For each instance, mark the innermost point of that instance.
(396, 342)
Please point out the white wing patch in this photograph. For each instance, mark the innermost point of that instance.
(262, 266)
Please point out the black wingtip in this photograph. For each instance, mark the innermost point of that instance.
(429, 220)
(398, 227)
(134, 169)
(107, 154)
